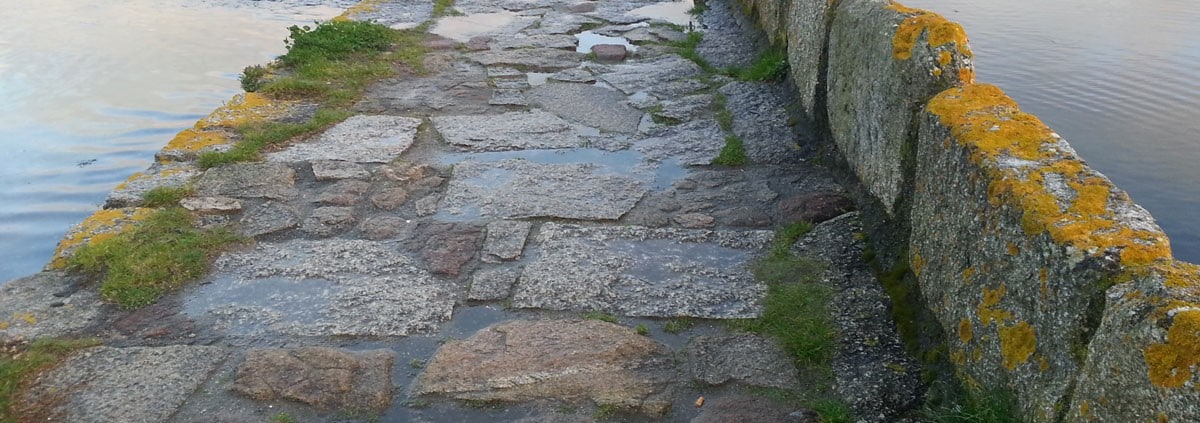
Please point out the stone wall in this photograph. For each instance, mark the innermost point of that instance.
(1049, 282)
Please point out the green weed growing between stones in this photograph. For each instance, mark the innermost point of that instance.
(698, 8)
(977, 407)
(444, 8)
(601, 316)
(138, 266)
(20, 363)
(687, 49)
(733, 153)
(256, 136)
(642, 329)
(679, 324)
(833, 411)
(771, 66)
(165, 196)
(282, 418)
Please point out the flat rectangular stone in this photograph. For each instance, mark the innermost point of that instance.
(517, 188)
(329, 287)
(508, 131)
(330, 170)
(505, 240)
(639, 271)
(362, 139)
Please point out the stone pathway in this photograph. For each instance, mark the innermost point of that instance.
(432, 258)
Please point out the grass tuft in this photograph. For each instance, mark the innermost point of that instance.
(138, 266)
(165, 196)
(601, 316)
(334, 40)
(20, 363)
(256, 136)
(678, 324)
(253, 78)
(771, 66)
(444, 8)
(733, 154)
(833, 411)
(687, 49)
(977, 407)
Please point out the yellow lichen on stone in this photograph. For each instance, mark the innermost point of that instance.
(1017, 344)
(987, 311)
(1083, 409)
(27, 317)
(944, 58)
(965, 332)
(940, 32)
(990, 125)
(101, 225)
(1013, 249)
(1180, 275)
(244, 108)
(1173, 363)
(917, 263)
(364, 6)
(4, 325)
(193, 139)
(1043, 363)
(966, 275)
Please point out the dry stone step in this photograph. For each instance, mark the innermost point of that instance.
(517, 188)
(561, 360)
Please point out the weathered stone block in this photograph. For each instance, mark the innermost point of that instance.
(885, 61)
(1013, 239)
(1143, 364)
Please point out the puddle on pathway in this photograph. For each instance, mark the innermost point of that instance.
(588, 39)
(462, 28)
(675, 12)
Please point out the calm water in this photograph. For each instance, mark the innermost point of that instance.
(1119, 79)
(90, 89)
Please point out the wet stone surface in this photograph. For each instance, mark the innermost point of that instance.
(431, 258)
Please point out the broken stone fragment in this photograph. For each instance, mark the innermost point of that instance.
(609, 52)
(326, 378)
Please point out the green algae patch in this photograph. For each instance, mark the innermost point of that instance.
(20, 363)
(137, 266)
(989, 124)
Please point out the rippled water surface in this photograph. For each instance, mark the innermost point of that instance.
(90, 89)
(1119, 79)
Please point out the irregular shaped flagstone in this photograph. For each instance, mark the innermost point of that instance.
(326, 378)
(274, 181)
(508, 131)
(639, 271)
(693, 143)
(321, 288)
(361, 139)
(518, 188)
(505, 240)
(589, 105)
(529, 58)
(136, 384)
(561, 360)
(641, 76)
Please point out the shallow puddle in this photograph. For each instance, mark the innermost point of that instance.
(588, 39)
(675, 12)
(462, 28)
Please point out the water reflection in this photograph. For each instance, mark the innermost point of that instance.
(1120, 80)
(107, 84)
